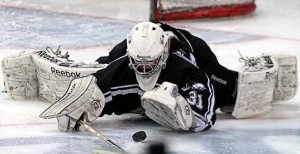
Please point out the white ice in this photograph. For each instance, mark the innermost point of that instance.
(89, 28)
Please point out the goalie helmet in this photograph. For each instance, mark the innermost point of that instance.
(148, 50)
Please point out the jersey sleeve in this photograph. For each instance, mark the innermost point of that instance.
(117, 51)
(201, 98)
(198, 46)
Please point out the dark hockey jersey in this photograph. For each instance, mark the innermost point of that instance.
(122, 93)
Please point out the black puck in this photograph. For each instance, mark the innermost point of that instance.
(139, 136)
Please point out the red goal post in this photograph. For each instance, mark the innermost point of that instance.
(192, 9)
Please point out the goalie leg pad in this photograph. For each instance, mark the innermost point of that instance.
(168, 108)
(255, 90)
(19, 73)
(287, 80)
(54, 75)
(83, 97)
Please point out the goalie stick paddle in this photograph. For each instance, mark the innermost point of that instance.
(104, 138)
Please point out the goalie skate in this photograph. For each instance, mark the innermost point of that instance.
(19, 75)
(82, 96)
(165, 106)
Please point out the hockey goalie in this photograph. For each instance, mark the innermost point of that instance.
(172, 77)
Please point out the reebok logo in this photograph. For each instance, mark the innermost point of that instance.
(65, 73)
(219, 80)
(139, 56)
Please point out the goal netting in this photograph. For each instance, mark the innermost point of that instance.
(191, 9)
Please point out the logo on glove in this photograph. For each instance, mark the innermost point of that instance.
(187, 110)
(96, 104)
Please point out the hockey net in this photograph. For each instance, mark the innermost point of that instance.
(191, 9)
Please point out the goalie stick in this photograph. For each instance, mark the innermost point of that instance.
(104, 138)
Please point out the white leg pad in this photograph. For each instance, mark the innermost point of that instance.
(19, 73)
(42, 74)
(53, 79)
(255, 91)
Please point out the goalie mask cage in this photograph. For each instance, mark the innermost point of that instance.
(191, 9)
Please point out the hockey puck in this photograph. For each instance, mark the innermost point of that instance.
(139, 136)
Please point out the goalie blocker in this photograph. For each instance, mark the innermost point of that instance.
(83, 100)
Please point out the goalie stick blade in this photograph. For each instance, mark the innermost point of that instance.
(69, 102)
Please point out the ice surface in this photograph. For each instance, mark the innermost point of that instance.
(88, 29)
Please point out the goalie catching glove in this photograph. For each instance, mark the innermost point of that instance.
(168, 108)
(83, 100)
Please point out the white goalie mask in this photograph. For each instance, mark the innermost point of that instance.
(148, 50)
